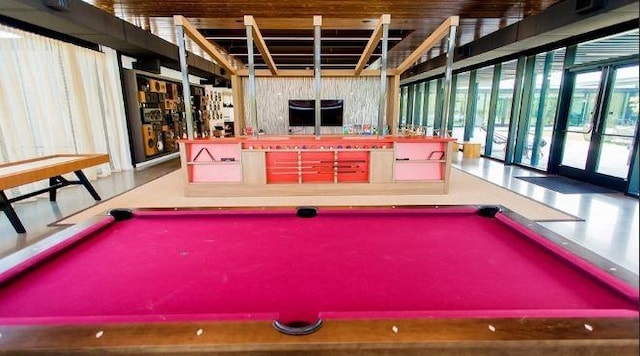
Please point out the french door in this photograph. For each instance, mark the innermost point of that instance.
(598, 125)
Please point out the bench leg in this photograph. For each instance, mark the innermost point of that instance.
(52, 192)
(83, 179)
(5, 206)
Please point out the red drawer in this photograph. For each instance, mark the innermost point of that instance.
(353, 167)
(317, 167)
(282, 167)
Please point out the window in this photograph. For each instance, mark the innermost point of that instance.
(459, 100)
(610, 47)
(484, 80)
(503, 109)
(547, 76)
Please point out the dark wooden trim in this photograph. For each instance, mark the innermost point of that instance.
(574, 336)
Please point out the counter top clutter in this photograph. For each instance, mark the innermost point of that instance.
(323, 138)
(299, 165)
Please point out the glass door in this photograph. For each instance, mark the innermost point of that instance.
(601, 126)
(580, 119)
(617, 129)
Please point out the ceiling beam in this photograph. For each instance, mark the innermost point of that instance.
(205, 44)
(436, 36)
(310, 73)
(373, 42)
(310, 54)
(290, 38)
(259, 41)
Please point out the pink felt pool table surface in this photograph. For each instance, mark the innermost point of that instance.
(240, 269)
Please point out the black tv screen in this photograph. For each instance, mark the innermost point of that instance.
(302, 112)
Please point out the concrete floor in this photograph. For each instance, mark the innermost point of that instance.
(37, 214)
(609, 225)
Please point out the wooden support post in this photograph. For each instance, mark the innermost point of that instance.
(393, 104)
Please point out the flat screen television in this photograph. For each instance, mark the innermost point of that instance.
(302, 112)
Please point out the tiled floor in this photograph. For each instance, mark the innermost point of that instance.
(609, 227)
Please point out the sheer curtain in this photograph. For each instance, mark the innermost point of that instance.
(56, 97)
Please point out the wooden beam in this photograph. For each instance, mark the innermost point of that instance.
(309, 73)
(373, 42)
(259, 41)
(237, 92)
(205, 44)
(393, 104)
(435, 37)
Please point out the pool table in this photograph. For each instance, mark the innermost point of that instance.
(451, 280)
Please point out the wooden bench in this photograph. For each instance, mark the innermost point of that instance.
(14, 174)
(469, 150)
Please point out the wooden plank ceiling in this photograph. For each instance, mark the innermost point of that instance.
(347, 25)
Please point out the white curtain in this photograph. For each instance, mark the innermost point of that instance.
(56, 97)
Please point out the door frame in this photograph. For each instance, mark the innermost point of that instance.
(589, 174)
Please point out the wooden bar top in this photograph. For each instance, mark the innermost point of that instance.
(325, 138)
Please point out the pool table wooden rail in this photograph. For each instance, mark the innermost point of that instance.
(521, 336)
(52, 167)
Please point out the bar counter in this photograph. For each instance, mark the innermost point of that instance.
(309, 165)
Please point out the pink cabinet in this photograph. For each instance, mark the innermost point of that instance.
(213, 162)
(419, 161)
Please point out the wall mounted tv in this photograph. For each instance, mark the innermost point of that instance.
(302, 112)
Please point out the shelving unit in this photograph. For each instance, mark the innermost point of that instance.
(220, 109)
(420, 161)
(160, 105)
(155, 114)
(199, 113)
(213, 162)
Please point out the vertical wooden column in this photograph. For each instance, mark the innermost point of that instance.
(393, 104)
(317, 24)
(386, 19)
(238, 104)
(186, 89)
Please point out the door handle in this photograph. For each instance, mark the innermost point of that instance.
(601, 102)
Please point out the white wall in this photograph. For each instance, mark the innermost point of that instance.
(360, 95)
